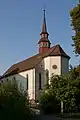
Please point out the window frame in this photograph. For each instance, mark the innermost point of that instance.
(40, 81)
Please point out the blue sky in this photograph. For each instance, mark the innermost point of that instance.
(20, 27)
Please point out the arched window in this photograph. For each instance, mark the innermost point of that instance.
(47, 76)
(1, 81)
(27, 81)
(7, 79)
(14, 78)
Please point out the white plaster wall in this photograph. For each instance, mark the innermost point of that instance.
(64, 65)
(33, 83)
(55, 60)
(50, 61)
(21, 79)
(39, 69)
(46, 63)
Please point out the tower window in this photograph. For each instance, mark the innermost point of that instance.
(27, 81)
(39, 81)
(46, 44)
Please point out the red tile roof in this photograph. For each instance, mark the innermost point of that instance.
(34, 60)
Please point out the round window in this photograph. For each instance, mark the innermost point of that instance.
(54, 66)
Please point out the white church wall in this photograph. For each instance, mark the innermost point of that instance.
(21, 79)
(46, 64)
(55, 60)
(31, 82)
(39, 69)
(50, 61)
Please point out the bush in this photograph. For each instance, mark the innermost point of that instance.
(13, 102)
(49, 104)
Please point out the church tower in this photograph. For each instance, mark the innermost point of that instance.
(44, 43)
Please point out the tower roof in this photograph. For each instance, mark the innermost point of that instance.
(44, 42)
(44, 27)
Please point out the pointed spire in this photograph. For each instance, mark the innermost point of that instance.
(44, 28)
(44, 43)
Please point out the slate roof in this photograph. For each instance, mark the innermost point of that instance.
(34, 60)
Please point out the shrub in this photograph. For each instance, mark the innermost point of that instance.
(13, 102)
(49, 104)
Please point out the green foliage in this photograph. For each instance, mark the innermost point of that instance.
(48, 104)
(75, 16)
(64, 88)
(57, 86)
(13, 102)
(78, 70)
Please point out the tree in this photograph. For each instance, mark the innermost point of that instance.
(13, 102)
(75, 17)
(49, 104)
(62, 88)
(65, 88)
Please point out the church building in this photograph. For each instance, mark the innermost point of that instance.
(34, 73)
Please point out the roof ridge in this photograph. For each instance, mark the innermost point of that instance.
(62, 51)
(54, 47)
(25, 59)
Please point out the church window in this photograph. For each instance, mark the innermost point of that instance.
(7, 79)
(1, 81)
(47, 76)
(27, 81)
(54, 66)
(44, 45)
(41, 65)
(39, 81)
(14, 78)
